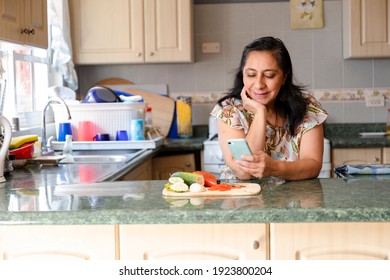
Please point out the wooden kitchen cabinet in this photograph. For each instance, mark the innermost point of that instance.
(24, 22)
(131, 31)
(142, 172)
(193, 241)
(330, 241)
(366, 28)
(386, 155)
(58, 242)
(163, 166)
(342, 156)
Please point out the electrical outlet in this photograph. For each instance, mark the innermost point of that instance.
(210, 47)
(375, 100)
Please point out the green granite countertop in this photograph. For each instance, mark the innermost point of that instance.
(90, 194)
(142, 202)
(347, 135)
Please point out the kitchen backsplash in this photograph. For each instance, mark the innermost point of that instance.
(342, 105)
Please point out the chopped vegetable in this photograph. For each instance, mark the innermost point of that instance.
(179, 187)
(196, 188)
(173, 180)
(189, 177)
(222, 187)
(209, 179)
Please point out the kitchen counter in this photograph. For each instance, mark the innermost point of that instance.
(90, 194)
(347, 135)
(141, 202)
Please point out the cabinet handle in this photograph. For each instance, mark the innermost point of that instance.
(27, 31)
(376, 159)
(138, 54)
(255, 245)
(151, 53)
(188, 164)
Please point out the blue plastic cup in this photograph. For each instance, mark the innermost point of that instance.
(121, 135)
(101, 137)
(63, 130)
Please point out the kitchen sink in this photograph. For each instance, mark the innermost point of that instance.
(101, 157)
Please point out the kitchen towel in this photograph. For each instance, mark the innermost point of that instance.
(368, 169)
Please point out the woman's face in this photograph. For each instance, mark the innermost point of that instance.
(263, 78)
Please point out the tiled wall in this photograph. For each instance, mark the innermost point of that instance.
(316, 54)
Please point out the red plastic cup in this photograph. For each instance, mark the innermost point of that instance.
(85, 131)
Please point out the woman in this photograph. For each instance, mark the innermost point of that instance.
(282, 125)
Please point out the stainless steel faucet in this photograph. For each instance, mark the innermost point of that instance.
(45, 148)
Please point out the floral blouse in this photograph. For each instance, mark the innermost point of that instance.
(279, 144)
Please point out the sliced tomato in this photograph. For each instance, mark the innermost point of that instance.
(221, 187)
(209, 179)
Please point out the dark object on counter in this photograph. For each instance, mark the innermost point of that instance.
(101, 94)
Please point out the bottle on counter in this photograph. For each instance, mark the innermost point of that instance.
(148, 117)
(68, 146)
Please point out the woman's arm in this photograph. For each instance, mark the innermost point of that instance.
(226, 132)
(307, 166)
(257, 130)
(255, 138)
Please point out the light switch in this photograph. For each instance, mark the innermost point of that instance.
(210, 47)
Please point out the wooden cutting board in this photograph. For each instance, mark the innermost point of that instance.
(246, 189)
(162, 108)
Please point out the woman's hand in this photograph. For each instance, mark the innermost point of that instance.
(259, 165)
(249, 104)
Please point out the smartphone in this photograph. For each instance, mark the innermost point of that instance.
(239, 147)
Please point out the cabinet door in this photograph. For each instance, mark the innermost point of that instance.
(164, 166)
(142, 172)
(11, 20)
(329, 241)
(104, 32)
(193, 241)
(24, 23)
(356, 156)
(386, 156)
(65, 242)
(366, 28)
(168, 31)
(35, 21)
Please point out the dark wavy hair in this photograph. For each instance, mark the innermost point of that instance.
(290, 101)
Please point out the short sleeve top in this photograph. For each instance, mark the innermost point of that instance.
(279, 144)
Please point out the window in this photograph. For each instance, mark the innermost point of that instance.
(25, 80)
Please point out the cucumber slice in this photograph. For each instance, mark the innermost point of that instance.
(173, 180)
(179, 187)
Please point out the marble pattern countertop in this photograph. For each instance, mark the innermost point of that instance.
(91, 194)
(141, 202)
(348, 135)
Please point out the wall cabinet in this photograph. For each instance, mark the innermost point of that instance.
(327, 241)
(366, 28)
(58, 242)
(24, 22)
(193, 241)
(131, 31)
(163, 166)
